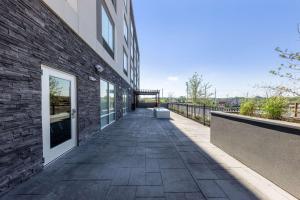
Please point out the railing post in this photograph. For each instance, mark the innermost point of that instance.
(204, 114)
(187, 110)
(296, 110)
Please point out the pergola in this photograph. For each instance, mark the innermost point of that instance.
(155, 93)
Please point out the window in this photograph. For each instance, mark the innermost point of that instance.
(107, 103)
(105, 28)
(125, 62)
(111, 102)
(125, 30)
(125, 102)
(131, 74)
(131, 49)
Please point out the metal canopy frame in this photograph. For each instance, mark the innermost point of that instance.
(155, 93)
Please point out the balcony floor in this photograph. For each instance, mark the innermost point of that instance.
(140, 157)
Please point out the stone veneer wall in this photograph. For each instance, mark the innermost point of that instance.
(31, 35)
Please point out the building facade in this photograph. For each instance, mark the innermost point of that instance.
(68, 69)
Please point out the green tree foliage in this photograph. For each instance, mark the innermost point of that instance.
(247, 108)
(198, 90)
(274, 107)
(181, 99)
(290, 71)
(194, 87)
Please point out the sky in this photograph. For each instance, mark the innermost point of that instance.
(230, 42)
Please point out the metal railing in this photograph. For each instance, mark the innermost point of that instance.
(199, 113)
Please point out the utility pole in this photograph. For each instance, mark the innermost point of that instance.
(215, 96)
(162, 93)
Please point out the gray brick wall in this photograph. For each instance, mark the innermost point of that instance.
(31, 35)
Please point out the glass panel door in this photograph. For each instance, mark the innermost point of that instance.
(111, 103)
(59, 116)
(104, 103)
(60, 110)
(107, 103)
(125, 102)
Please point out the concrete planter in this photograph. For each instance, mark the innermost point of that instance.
(270, 147)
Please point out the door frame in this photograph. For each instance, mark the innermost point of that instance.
(51, 154)
(115, 107)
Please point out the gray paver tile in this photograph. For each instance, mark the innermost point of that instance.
(150, 191)
(234, 190)
(121, 177)
(210, 188)
(178, 180)
(171, 163)
(153, 178)
(23, 197)
(201, 171)
(137, 176)
(150, 198)
(79, 190)
(152, 165)
(193, 158)
(175, 196)
(121, 193)
(184, 196)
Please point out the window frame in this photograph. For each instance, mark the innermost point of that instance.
(125, 54)
(125, 25)
(108, 83)
(111, 51)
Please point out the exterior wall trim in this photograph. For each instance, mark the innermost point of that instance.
(277, 125)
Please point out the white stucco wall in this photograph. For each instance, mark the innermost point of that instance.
(80, 15)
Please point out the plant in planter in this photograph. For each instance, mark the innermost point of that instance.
(274, 107)
(247, 108)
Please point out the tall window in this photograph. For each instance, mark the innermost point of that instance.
(107, 103)
(125, 30)
(131, 73)
(125, 102)
(107, 29)
(125, 62)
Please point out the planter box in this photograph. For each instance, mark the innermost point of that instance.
(270, 147)
(161, 113)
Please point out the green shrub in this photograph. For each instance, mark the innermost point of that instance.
(274, 107)
(247, 108)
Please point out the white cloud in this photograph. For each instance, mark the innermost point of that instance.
(172, 78)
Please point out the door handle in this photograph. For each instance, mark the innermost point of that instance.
(73, 113)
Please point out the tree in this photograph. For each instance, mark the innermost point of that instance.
(182, 99)
(290, 71)
(199, 90)
(194, 87)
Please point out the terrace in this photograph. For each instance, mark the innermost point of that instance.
(140, 157)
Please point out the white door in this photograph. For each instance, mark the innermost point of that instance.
(58, 113)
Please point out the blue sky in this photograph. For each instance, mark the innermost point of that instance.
(230, 42)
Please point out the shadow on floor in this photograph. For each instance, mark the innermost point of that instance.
(138, 157)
